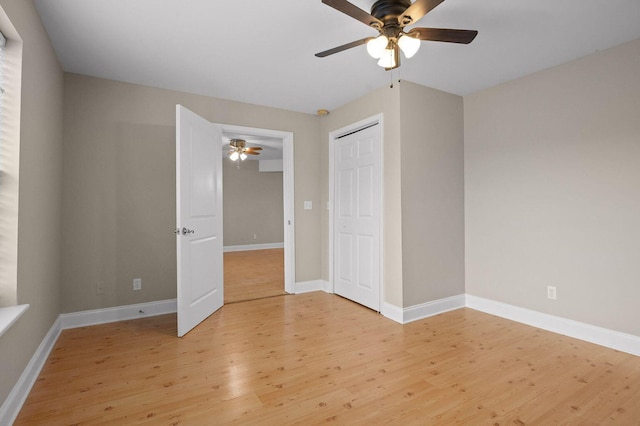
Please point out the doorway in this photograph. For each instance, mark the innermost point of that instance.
(258, 214)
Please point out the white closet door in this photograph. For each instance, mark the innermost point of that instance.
(357, 200)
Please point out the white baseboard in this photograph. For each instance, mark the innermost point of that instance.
(13, 404)
(435, 307)
(248, 247)
(423, 310)
(118, 313)
(314, 285)
(590, 333)
(392, 312)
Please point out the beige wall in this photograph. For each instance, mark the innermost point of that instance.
(432, 194)
(552, 176)
(119, 187)
(39, 231)
(386, 101)
(253, 204)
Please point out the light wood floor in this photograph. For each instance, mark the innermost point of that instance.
(253, 274)
(316, 357)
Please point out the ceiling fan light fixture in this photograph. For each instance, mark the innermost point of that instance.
(243, 156)
(234, 156)
(409, 45)
(377, 46)
(388, 59)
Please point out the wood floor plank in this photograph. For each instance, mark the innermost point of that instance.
(253, 274)
(315, 357)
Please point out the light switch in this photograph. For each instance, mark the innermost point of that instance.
(308, 205)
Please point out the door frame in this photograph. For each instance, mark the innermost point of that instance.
(333, 137)
(287, 191)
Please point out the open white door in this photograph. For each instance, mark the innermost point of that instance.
(199, 218)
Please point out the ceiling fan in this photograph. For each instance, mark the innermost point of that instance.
(389, 17)
(239, 149)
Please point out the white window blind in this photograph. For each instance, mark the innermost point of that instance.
(3, 43)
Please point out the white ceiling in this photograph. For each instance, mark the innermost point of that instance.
(262, 52)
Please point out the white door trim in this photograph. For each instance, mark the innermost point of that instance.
(333, 136)
(288, 195)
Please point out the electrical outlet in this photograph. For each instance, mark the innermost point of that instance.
(100, 287)
(255, 236)
(551, 292)
(137, 283)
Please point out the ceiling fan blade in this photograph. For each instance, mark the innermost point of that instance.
(442, 34)
(355, 12)
(255, 148)
(417, 10)
(343, 47)
(252, 153)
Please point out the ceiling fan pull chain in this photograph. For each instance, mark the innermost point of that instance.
(391, 74)
(397, 77)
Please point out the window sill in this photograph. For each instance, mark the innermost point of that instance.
(10, 315)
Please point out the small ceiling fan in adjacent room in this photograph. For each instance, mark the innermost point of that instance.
(389, 17)
(240, 150)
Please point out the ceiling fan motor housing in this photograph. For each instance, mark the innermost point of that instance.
(388, 10)
(237, 143)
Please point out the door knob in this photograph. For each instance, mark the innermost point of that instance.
(186, 231)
